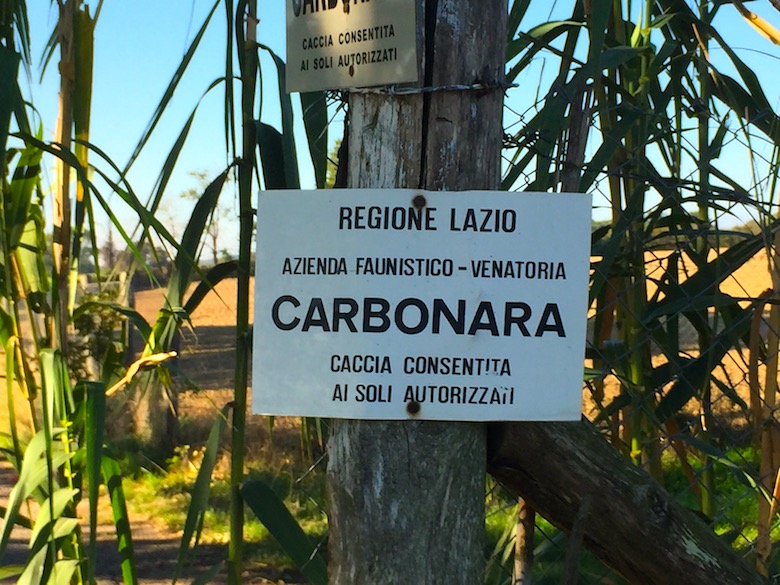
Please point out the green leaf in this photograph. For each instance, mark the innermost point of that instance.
(112, 476)
(708, 277)
(6, 329)
(749, 101)
(39, 570)
(714, 148)
(52, 508)
(10, 443)
(288, 138)
(184, 264)
(146, 216)
(617, 404)
(83, 58)
(58, 402)
(729, 391)
(63, 572)
(22, 26)
(32, 475)
(29, 256)
(134, 316)
(541, 35)
(275, 516)
(516, 13)
(538, 39)
(9, 70)
(661, 21)
(169, 91)
(616, 56)
(147, 219)
(193, 525)
(600, 12)
(229, 110)
(35, 571)
(697, 372)
(10, 571)
(707, 298)
(315, 120)
(591, 374)
(611, 143)
(755, 111)
(171, 159)
(25, 179)
(269, 142)
(94, 432)
(214, 276)
(83, 45)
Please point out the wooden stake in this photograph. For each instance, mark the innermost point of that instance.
(407, 498)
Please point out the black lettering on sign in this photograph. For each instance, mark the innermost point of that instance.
(303, 7)
(387, 218)
(340, 394)
(361, 364)
(456, 366)
(477, 395)
(483, 220)
(413, 316)
(373, 393)
(526, 269)
(314, 266)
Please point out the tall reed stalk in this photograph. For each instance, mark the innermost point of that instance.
(246, 43)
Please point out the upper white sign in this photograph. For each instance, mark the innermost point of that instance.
(350, 43)
(395, 304)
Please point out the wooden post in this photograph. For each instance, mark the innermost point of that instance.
(407, 498)
(577, 481)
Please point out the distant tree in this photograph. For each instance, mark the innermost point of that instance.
(109, 252)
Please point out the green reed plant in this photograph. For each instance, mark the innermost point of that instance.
(61, 453)
(662, 115)
(71, 412)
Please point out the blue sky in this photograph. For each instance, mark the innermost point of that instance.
(139, 44)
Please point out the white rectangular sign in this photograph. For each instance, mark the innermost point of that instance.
(396, 304)
(350, 43)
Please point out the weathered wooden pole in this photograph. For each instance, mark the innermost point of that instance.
(580, 483)
(407, 498)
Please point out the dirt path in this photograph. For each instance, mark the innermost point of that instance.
(156, 549)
